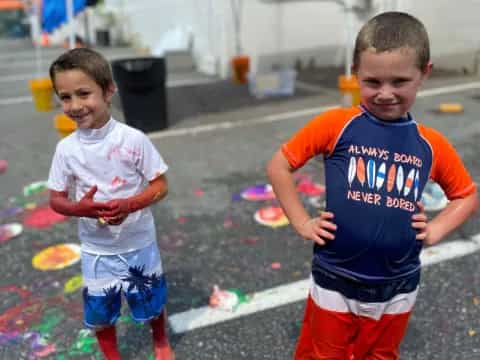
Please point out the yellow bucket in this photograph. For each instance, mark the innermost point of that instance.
(64, 125)
(350, 90)
(42, 91)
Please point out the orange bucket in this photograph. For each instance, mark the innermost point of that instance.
(42, 91)
(350, 90)
(64, 125)
(240, 67)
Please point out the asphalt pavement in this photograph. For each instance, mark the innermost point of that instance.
(217, 144)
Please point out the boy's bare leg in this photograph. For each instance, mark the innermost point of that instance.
(107, 339)
(161, 346)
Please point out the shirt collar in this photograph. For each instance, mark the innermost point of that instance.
(403, 120)
(94, 135)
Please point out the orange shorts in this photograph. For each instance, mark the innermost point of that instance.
(345, 329)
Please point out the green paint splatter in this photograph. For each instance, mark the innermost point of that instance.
(51, 318)
(84, 344)
(242, 297)
(127, 319)
(34, 188)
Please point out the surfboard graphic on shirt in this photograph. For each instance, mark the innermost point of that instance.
(381, 176)
(371, 173)
(409, 182)
(416, 184)
(391, 177)
(399, 178)
(352, 169)
(361, 171)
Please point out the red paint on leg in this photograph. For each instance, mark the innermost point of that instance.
(107, 340)
(161, 346)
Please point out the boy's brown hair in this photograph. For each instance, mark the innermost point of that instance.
(391, 31)
(92, 63)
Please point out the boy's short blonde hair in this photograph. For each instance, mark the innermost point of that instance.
(92, 63)
(391, 31)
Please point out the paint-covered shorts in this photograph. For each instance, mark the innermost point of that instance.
(137, 274)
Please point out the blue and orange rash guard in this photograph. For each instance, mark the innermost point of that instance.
(375, 172)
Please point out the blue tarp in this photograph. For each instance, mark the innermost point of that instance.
(54, 13)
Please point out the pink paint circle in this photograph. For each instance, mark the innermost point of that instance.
(272, 216)
(3, 166)
(43, 217)
(310, 188)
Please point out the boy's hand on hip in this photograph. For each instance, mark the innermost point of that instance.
(87, 207)
(420, 222)
(319, 229)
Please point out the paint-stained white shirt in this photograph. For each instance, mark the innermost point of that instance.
(120, 161)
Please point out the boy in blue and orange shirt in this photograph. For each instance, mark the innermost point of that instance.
(366, 265)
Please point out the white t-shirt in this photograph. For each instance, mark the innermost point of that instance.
(121, 161)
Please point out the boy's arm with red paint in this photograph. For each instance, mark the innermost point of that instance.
(120, 208)
(86, 207)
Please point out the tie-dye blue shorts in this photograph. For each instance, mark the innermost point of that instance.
(137, 274)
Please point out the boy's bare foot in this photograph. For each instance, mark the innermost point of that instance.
(161, 346)
(164, 352)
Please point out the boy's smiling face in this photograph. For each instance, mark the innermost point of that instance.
(389, 81)
(83, 99)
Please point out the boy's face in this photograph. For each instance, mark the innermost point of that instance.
(82, 99)
(389, 81)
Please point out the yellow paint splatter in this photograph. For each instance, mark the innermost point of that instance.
(476, 301)
(56, 257)
(472, 332)
(73, 284)
(297, 274)
(30, 206)
(272, 216)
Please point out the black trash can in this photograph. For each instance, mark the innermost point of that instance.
(102, 37)
(141, 85)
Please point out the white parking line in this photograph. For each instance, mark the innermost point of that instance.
(17, 77)
(15, 100)
(27, 99)
(234, 124)
(298, 291)
(290, 115)
(449, 89)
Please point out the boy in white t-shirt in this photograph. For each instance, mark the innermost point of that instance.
(116, 173)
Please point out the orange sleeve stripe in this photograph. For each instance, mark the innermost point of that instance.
(472, 189)
(448, 169)
(318, 136)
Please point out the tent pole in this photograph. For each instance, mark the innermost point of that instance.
(71, 25)
(36, 24)
(348, 37)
